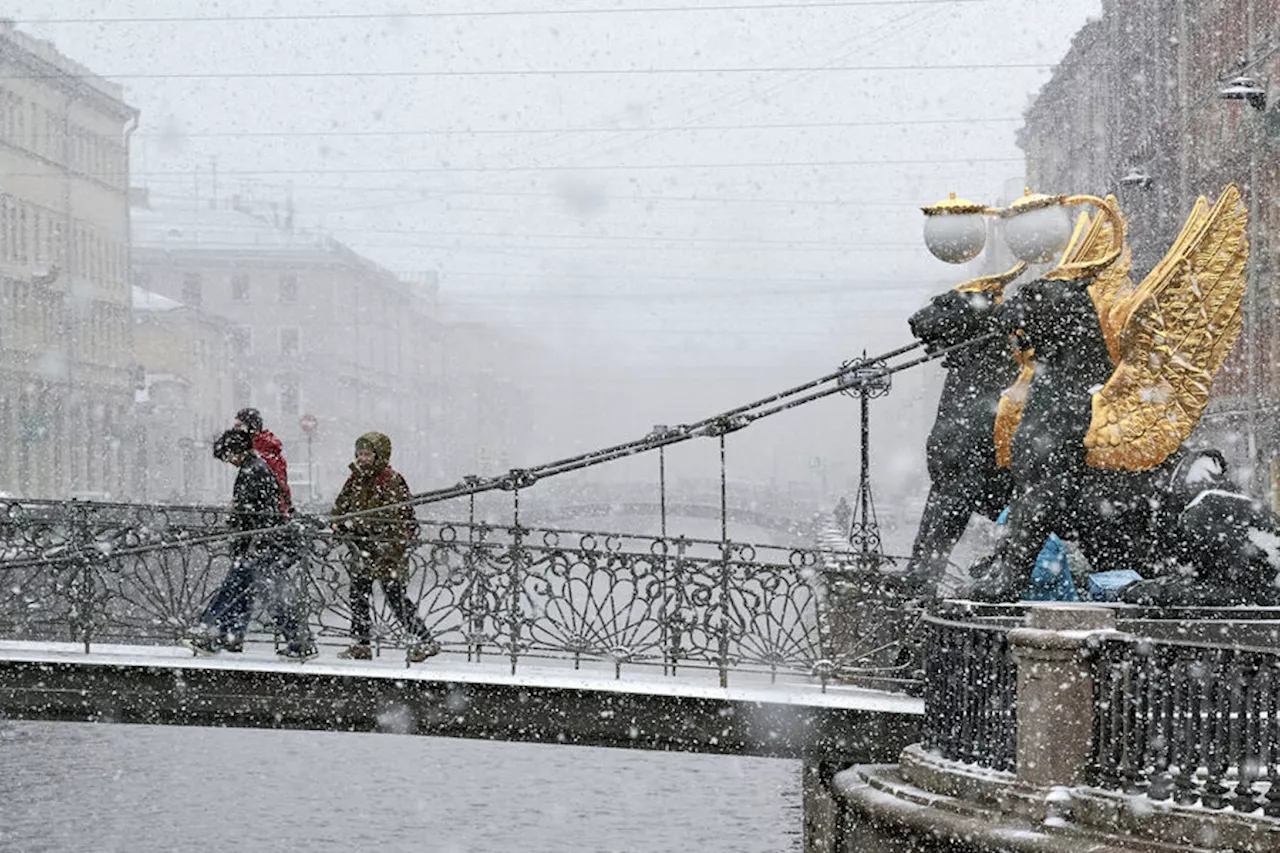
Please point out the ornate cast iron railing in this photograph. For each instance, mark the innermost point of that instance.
(1191, 720)
(970, 692)
(97, 573)
(1189, 723)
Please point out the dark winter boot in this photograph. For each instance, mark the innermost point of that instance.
(359, 651)
(422, 650)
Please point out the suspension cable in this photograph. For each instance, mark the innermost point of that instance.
(716, 425)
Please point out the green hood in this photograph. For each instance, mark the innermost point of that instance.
(379, 444)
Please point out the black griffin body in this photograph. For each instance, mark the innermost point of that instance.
(1226, 546)
(964, 478)
(1116, 516)
(1183, 523)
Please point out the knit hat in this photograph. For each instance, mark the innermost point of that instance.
(233, 441)
(252, 420)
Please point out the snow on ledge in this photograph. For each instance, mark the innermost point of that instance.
(495, 671)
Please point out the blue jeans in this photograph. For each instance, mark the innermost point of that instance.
(260, 572)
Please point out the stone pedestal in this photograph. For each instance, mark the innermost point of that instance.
(1055, 693)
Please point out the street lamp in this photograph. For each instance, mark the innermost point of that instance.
(1136, 177)
(1036, 226)
(954, 229)
(866, 380)
(1245, 89)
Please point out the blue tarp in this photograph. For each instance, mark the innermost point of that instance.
(1105, 586)
(1051, 578)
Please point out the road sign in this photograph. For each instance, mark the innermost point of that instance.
(309, 423)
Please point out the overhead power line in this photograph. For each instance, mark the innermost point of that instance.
(715, 247)
(516, 131)
(436, 194)
(415, 170)
(534, 72)
(429, 194)
(626, 238)
(494, 13)
(492, 247)
(724, 95)
(783, 283)
(442, 195)
(881, 297)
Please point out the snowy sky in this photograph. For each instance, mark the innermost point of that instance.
(614, 165)
(688, 203)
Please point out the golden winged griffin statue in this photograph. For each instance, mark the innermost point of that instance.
(1166, 338)
(1087, 440)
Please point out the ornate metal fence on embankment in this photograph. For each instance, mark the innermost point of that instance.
(970, 700)
(122, 573)
(1188, 722)
(1186, 703)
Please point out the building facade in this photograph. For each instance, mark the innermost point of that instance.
(65, 349)
(1137, 108)
(314, 328)
(182, 395)
(487, 382)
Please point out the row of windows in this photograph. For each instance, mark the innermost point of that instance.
(31, 233)
(288, 337)
(104, 338)
(33, 321)
(241, 290)
(289, 395)
(29, 125)
(28, 317)
(286, 390)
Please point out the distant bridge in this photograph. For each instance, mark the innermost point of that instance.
(754, 518)
(757, 504)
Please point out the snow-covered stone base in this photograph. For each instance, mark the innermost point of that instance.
(927, 804)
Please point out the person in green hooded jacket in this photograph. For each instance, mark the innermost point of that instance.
(379, 544)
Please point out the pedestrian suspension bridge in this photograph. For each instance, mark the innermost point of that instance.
(555, 634)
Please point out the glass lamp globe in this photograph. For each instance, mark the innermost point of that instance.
(954, 229)
(1036, 227)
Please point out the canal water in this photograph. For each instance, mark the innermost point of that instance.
(150, 789)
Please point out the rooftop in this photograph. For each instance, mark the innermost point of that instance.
(232, 225)
(46, 52)
(146, 300)
(193, 224)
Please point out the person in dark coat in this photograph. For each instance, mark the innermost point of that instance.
(270, 451)
(379, 545)
(258, 560)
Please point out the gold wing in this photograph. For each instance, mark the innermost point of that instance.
(1095, 245)
(1112, 289)
(1008, 414)
(1009, 409)
(993, 284)
(1075, 245)
(1175, 331)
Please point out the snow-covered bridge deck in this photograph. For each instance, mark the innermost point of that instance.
(545, 702)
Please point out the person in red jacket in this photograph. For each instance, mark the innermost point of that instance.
(271, 451)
